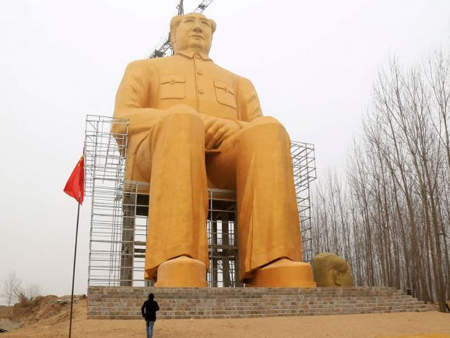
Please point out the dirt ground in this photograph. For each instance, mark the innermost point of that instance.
(49, 318)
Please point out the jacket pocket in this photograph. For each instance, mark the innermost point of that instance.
(225, 94)
(172, 87)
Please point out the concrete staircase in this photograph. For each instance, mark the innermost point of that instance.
(125, 302)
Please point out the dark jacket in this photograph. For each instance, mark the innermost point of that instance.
(149, 309)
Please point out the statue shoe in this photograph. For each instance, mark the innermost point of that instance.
(283, 273)
(181, 272)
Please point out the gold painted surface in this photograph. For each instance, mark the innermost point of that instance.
(425, 335)
(194, 124)
(331, 270)
(183, 271)
(284, 273)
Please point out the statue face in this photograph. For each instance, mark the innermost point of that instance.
(331, 270)
(344, 278)
(193, 33)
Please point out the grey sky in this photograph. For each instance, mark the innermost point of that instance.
(313, 64)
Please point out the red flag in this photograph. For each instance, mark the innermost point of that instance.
(75, 184)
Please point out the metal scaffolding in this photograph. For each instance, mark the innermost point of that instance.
(105, 157)
(222, 239)
(119, 210)
(304, 166)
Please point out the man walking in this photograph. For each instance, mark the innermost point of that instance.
(148, 310)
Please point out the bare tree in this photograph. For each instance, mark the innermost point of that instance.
(12, 287)
(32, 291)
(390, 215)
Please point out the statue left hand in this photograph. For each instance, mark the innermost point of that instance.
(217, 130)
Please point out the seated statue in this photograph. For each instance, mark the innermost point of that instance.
(193, 124)
(331, 270)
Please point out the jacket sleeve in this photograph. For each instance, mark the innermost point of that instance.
(248, 103)
(132, 98)
(143, 310)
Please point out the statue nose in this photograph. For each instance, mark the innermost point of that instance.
(197, 28)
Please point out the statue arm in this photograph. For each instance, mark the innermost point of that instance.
(132, 98)
(248, 102)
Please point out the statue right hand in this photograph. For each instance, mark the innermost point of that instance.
(217, 130)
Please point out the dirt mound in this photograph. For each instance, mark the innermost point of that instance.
(9, 324)
(49, 308)
(5, 311)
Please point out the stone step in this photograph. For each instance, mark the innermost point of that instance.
(125, 302)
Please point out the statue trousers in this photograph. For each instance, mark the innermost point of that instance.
(255, 162)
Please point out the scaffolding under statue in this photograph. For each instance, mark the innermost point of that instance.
(119, 210)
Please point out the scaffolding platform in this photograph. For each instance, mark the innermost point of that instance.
(119, 209)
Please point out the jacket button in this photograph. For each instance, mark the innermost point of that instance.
(201, 91)
(199, 72)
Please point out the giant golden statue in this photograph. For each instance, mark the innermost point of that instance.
(194, 124)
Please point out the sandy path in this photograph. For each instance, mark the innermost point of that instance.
(343, 326)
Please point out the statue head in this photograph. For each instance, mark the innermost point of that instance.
(191, 32)
(331, 270)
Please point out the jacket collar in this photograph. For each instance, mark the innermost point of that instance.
(190, 54)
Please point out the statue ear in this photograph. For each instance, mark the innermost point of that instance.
(334, 276)
(173, 29)
(172, 41)
(213, 25)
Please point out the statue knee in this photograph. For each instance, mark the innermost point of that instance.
(268, 122)
(270, 127)
(275, 138)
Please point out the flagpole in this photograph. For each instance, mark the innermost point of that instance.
(73, 272)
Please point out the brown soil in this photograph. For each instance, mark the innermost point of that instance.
(48, 317)
(5, 311)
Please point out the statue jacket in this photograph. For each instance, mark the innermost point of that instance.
(151, 86)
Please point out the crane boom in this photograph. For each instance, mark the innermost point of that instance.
(202, 6)
(180, 8)
(165, 48)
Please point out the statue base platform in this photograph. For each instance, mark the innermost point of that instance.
(124, 302)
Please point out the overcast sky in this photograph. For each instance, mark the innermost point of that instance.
(313, 64)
